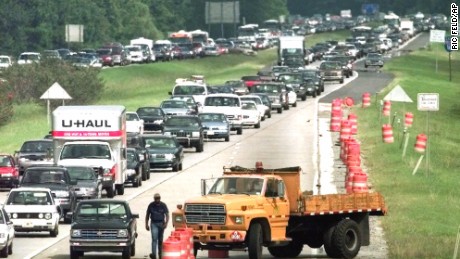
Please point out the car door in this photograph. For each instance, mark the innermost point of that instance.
(277, 207)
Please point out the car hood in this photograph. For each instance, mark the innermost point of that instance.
(162, 150)
(175, 111)
(210, 124)
(100, 223)
(179, 128)
(86, 184)
(30, 208)
(51, 186)
(230, 200)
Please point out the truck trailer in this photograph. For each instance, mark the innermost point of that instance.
(93, 135)
(291, 46)
(248, 208)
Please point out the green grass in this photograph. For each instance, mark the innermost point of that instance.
(424, 209)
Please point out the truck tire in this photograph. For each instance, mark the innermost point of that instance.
(120, 189)
(279, 110)
(110, 192)
(293, 249)
(126, 253)
(55, 231)
(4, 252)
(295, 104)
(199, 147)
(327, 240)
(74, 254)
(133, 249)
(255, 241)
(347, 238)
(144, 175)
(175, 168)
(239, 131)
(304, 97)
(257, 126)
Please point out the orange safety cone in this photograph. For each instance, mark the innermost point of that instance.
(336, 118)
(345, 130)
(353, 118)
(386, 108)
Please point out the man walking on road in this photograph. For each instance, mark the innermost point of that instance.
(158, 213)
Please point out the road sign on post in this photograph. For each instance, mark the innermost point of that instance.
(428, 102)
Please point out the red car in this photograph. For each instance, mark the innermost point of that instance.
(9, 172)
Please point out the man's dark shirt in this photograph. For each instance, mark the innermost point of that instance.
(157, 212)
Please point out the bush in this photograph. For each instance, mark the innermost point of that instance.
(29, 82)
(6, 102)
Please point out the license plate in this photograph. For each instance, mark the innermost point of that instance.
(28, 225)
(210, 132)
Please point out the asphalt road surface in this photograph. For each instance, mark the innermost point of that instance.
(287, 139)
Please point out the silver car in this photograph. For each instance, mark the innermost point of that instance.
(176, 107)
(215, 125)
(34, 152)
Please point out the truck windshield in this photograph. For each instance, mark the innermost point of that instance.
(81, 151)
(102, 210)
(237, 185)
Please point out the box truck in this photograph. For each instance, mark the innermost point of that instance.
(93, 135)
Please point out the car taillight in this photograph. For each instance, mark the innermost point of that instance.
(112, 171)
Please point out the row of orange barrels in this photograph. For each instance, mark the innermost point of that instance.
(179, 245)
(350, 150)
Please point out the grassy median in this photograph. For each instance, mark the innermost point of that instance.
(424, 208)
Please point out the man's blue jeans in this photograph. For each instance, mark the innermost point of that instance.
(157, 230)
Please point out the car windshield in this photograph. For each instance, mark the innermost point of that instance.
(103, 52)
(248, 106)
(254, 99)
(81, 173)
(160, 143)
(189, 89)
(374, 55)
(221, 101)
(290, 78)
(82, 151)
(4, 60)
(132, 117)
(208, 117)
(29, 198)
(149, 112)
(33, 57)
(101, 211)
(266, 88)
(36, 146)
(237, 185)
(5, 161)
(330, 65)
(173, 105)
(43, 176)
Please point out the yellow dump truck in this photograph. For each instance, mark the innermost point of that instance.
(246, 209)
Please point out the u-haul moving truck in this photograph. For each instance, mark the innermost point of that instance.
(93, 135)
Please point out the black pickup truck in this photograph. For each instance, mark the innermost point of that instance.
(103, 225)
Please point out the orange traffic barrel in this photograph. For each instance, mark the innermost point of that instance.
(336, 118)
(408, 119)
(345, 130)
(184, 238)
(420, 143)
(172, 248)
(387, 133)
(337, 105)
(353, 118)
(360, 183)
(366, 100)
(386, 108)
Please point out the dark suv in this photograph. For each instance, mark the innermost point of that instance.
(187, 129)
(34, 152)
(103, 225)
(153, 117)
(276, 92)
(58, 180)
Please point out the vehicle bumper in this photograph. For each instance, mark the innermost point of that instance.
(216, 134)
(100, 245)
(219, 236)
(188, 142)
(33, 225)
(332, 78)
(8, 181)
(153, 127)
(64, 203)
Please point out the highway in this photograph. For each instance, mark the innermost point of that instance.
(287, 139)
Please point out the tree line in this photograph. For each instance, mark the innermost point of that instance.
(35, 25)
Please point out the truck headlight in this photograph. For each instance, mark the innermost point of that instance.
(75, 233)
(122, 233)
(47, 215)
(169, 156)
(178, 218)
(166, 133)
(195, 134)
(238, 220)
(158, 121)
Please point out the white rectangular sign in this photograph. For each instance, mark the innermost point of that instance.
(428, 102)
(437, 36)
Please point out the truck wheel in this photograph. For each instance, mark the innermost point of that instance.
(327, 240)
(257, 126)
(295, 104)
(304, 97)
(133, 249)
(239, 131)
(55, 231)
(200, 148)
(10, 248)
(269, 114)
(175, 168)
(227, 138)
(255, 241)
(126, 254)
(286, 107)
(144, 175)
(4, 252)
(313, 94)
(279, 110)
(180, 166)
(120, 189)
(110, 192)
(347, 238)
(293, 249)
(136, 182)
(74, 254)
(341, 81)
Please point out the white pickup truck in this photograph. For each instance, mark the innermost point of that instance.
(228, 104)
